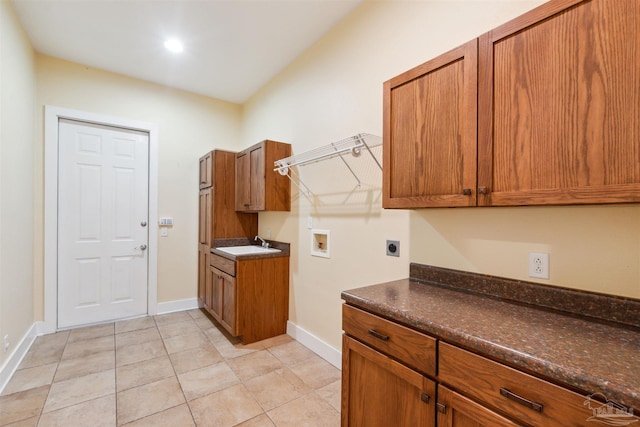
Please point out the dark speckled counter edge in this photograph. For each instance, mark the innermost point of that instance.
(589, 305)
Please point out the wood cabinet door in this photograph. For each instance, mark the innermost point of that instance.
(224, 300)
(225, 221)
(429, 133)
(204, 217)
(257, 181)
(378, 391)
(558, 118)
(203, 273)
(243, 181)
(215, 292)
(229, 302)
(206, 164)
(455, 410)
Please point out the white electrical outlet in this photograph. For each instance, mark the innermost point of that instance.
(6, 343)
(539, 265)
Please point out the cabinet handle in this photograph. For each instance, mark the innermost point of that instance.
(425, 397)
(466, 191)
(441, 408)
(378, 335)
(482, 190)
(521, 400)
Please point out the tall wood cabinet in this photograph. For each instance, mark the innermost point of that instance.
(258, 187)
(557, 114)
(217, 218)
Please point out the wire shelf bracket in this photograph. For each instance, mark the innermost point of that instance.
(352, 145)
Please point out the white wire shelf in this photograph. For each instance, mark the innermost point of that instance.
(352, 145)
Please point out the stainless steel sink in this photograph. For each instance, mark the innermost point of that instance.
(248, 250)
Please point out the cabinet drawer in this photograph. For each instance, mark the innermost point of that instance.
(223, 264)
(406, 345)
(516, 394)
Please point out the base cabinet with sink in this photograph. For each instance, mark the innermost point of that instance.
(249, 296)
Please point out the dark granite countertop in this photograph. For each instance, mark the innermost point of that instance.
(595, 356)
(221, 243)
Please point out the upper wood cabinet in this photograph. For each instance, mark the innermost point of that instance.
(206, 168)
(557, 114)
(258, 187)
(430, 133)
(559, 121)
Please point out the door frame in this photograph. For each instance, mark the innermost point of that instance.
(52, 114)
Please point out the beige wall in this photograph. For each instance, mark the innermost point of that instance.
(188, 126)
(334, 90)
(17, 95)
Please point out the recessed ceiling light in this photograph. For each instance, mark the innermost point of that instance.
(173, 45)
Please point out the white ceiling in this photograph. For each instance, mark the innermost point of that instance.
(231, 47)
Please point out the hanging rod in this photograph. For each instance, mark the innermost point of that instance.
(352, 145)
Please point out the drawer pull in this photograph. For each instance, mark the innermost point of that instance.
(521, 400)
(378, 335)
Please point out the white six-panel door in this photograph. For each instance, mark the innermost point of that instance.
(102, 223)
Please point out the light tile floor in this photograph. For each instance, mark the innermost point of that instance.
(173, 370)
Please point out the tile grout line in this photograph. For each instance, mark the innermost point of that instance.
(66, 343)
(186, 401)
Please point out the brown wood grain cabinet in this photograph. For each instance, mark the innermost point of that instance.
(223, 304)
(455, 410)
(250, 296)
(515, 394)
(429, 133)
(557, 114)
(258, 187)
(561, 122)
(390, 375)
(217, 218)
(378, 389)
(206, 166)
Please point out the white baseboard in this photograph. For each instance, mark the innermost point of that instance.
(315, 344)
(178, 305)
(11, 364)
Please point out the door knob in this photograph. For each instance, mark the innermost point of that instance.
(143, 223)
(141, 247)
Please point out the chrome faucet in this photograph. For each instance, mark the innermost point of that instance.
(264, 243)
